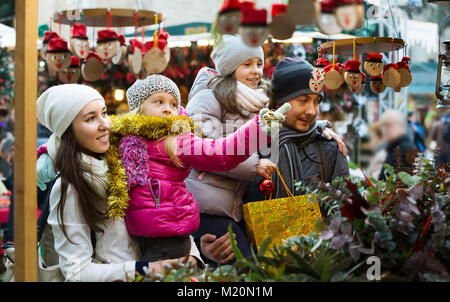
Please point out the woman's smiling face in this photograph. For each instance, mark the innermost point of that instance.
(92, 127)
(250, 72)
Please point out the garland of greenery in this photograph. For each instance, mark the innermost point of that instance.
(149, 127)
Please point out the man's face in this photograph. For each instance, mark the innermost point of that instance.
(303, 113)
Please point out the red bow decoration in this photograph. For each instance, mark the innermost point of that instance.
(266, 186)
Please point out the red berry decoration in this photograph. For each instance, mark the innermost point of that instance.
(266, 186)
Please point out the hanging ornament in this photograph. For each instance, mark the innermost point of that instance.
(58, 55)
(266, 186)
(228, 17)
(346, 14)
(333, 78)
(108, 44)
(391, 76)
(135, 57)
(154, 59)
(360, 88)
(360, 13)
(142, 74)
(326, 20)
(373, 64)
(120, 56)
(280, 27)
(72, 73)
(48, 35)
(92, 68)
(352, 76)
(405, 73)
(253, 28)
(302, 12)
(316, 85)
(318, 72)
(376, 84)
(79, 44)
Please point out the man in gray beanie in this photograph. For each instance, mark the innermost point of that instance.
(304, 153)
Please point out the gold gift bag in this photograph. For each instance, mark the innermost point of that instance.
(281, 218)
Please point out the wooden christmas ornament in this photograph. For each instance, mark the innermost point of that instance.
(121, 54)
(346, 14)
(391, 76)
(229, 17)
(316, 85)
(92, 68)
(326, 21)
(333, 78)
(405, 73)
(154, 59)
(318, 72)
(108, 44)
(352, 76)
(72, 73)
(142, 74)
(376, 84)
(253, 29)
(373, 64)
(135, 57)
(360, 88)
(58, 55)
(360, 13)
(280, 27)
(79, 44)
(302, 12)
(48, 35)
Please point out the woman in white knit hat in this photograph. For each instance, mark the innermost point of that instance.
(76, 114)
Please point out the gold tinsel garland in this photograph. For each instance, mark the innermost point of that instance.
(149, 127)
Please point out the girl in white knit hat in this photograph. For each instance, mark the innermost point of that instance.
(157, 150)
(76, 114)
(222, 100)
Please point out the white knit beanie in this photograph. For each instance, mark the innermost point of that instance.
(142, 89)
(58, 106)
(231, 51)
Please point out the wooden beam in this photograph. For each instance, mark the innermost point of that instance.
(25, 94)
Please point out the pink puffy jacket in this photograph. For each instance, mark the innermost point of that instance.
(160, 205)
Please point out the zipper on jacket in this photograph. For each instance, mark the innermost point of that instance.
(157, 200)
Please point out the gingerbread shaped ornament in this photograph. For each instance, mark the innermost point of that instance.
(229, 17)
(108, 44)
(253, 29)
(72, 73)
(58, 55)
(391, 76)
(92, 69)
(353, 76)
(376, 84)
(79, 45)
(373, 64)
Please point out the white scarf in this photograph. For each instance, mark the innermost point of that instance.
(250, 99)
(97, 182)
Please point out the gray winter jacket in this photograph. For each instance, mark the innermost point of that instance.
(217, 193)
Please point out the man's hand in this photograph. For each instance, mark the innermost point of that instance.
(217, 249)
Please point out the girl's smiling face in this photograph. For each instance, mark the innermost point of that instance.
(250, 72)
(160, 104)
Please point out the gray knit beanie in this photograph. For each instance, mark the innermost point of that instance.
(230, 51)
(142, 89)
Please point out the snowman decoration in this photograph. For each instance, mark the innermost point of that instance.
(108, 44)
(253, 29)
(72, 73)
(79, 44)
(228, 17)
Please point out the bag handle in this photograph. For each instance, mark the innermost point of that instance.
(285, 186)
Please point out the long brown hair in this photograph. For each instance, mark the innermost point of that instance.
(224, 88)
(71, 170)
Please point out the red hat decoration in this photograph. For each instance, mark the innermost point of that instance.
(278, 8)
(135, 44)
(322, 62)
(254, 17)
(57, 45)
(48, 35)
(75, 62)
(352, 65)
(374, 57)
(106, 35)
(93, 54)
(122, 39)
(229, 5)
(79, 31)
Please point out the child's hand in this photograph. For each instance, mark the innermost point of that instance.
(265, 168)
(270, 121)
